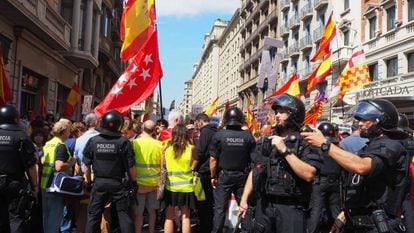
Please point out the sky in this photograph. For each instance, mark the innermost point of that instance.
(182, 25)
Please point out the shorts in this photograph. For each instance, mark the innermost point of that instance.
(148, 201)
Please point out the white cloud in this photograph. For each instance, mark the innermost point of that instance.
(184, 8)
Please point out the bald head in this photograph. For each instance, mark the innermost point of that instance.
(149, 127)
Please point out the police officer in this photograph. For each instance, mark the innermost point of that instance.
(373, 172)
(230, 153)
(282, 175)
(16, 157)
(325, 188)
(112, 159)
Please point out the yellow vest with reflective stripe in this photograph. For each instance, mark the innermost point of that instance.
(147, 160)
(179, 175)
(49, 154)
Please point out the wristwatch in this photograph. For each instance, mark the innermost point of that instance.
(325, 146)
(286, 152)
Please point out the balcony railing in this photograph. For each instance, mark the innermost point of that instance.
(284, 30)
(306, 11)
(317, 33)
(319, 4)
(294, 50)
(306, 42)
(404, 33)
(285, 56)
(294, 22)
(284, 5)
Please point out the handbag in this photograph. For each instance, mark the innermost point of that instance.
(65, 184)
(163, 179)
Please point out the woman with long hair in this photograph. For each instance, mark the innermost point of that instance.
(180, 160)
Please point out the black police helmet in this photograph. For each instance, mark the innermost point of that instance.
(328, 130)
(9, 115)
(403, 123)
(383, 111)
(233, 117)
(293, 105)
(111, 123)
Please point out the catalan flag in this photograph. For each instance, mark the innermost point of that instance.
(5, 91)
(320, 73)
(327, 37)
(291, 87)
(251, 121)
(314, 113)
(212, 108)
(72, 100)
(137, 25)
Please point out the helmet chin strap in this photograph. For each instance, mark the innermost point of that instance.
(372, 132)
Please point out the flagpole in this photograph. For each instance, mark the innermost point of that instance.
(159, 86)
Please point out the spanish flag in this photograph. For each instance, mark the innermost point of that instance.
(291, 87)
(212, 108)
(320, 73)
(5, 91)
(327, 37)
(137, 25)
(73, 99)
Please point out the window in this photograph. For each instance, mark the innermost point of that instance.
(373, 71)
(307, 66)
(321, 18)
(410, 10)
(391, 18)
(372, 27)
(346, 4)
(392, 67)
(410, 62)
(346, 38)
(66, 8)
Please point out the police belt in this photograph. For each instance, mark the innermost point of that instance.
(119, 179)
(285, 200)
(233, 171)
(331, 178)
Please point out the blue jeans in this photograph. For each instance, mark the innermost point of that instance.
(52, 212)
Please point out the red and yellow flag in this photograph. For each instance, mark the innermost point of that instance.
(251, 121)
(291, 87)
(212, 108)
(148, 108)
(5, 91)
(327, 37)
(137, 25)
(314, 113)
(42, 104)
(320, 73)
(73, 100)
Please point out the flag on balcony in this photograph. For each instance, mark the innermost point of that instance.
(72, 101)
(137, 82)
(212, 108)
(291, 87)
(5, 91)
(355, 74)
(42, 104)
(320, 73)
(137, 26)
(314, 113)
(327, 37)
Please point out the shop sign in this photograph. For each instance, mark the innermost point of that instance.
(384, 91)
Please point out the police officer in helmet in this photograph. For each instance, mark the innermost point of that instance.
(16, 157)
(230, 152)
(282, 175)
(112, 158)
(373, 171)
(325, 188)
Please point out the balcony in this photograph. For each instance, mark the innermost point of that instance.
(285, 56)
(284, 5)
(294, 22)
(294, 50)
(305, 72)
(39, 18)
(306, 12)
(320, 4)
(306, 43)
(284, 31)
(340, 57)
(317, 33)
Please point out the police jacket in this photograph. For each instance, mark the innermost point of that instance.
(329, 166)
(233, 149)
(368, 192)
(17, 152)
(109, 156)
(206, 135)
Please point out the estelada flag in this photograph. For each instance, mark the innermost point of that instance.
(212, 108)
(5, 91)
(137, 26)
(291, 87)
(320, 73)
(325, 42)
(72, 101)
(137, 82)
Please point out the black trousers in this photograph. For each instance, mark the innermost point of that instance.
(228, 182)
(11, 220)
(205, 208)
(408, 215)
(104, 191)
(279, 217)
(325, 195)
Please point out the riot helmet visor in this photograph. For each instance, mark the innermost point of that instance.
(367, 111)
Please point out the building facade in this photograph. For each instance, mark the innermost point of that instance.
(186, 103)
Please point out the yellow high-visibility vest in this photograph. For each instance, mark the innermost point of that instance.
(148, 153)
(49, 151)
(179, 174)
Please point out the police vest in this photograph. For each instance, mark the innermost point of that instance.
(10, 162)
(179, 174)
(49, 151)
(109, 160)
(147, 160)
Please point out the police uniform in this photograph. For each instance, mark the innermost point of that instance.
(407, 209)
(111, 157)
(12, 178)
(232, 148)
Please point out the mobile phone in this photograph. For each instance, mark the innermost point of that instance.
(306, 128)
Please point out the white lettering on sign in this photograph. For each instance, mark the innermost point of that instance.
(105, 146)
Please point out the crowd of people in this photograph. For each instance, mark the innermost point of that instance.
(289, 177)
